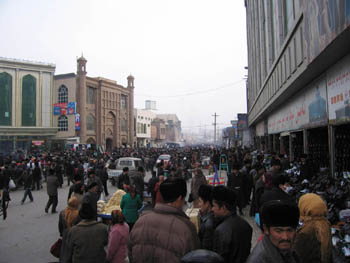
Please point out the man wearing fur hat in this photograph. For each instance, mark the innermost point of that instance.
(232, 235)
(279, 219)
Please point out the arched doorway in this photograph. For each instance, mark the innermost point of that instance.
(109, 144)
(90, 141)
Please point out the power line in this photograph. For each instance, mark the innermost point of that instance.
(193, 92)
(205, 125)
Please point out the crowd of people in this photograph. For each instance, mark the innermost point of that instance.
(290, 230)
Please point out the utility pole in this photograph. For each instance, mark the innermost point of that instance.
(215, 115)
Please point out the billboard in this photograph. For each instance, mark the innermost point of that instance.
(324, 20)
(338, 87)
(306, 110)
(64, 108)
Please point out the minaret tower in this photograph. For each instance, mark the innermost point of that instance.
(131, 109)
(81, 95)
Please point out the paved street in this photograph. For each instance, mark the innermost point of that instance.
(28, 232)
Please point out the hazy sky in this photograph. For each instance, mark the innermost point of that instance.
(187, 55)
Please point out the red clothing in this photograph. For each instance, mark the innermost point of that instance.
(117, 245)
(159, 197)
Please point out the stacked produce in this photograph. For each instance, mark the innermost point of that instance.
(114, 202)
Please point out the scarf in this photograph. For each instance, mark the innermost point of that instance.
(71, 212)
(313, 212)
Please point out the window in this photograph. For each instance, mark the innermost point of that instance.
(124, 125)
(63, 123)
(91, 95)
(28, 101)
(63, 94)
(144, 129)
(123, 102)
(90, 123)
(5, 99)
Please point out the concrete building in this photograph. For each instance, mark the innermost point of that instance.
(25, 104)
(93, 110)
(299, 78)
(173, 127)
(158, 132)
(143, 127)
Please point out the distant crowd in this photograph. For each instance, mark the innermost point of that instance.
(290, 230)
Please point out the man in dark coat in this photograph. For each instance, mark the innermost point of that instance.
(280, 220)
(138, 181)
(27, 181)
(232, 235)
(277, 192)
(52, 186)
(236, 183)
(94, 179)
(206, 216)
(86, 241)
(124, 179)
(164, 234)
(150, 187)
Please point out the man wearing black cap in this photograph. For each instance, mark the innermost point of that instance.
(279, 220)
(124, 179)
(164, 234)
(236, 182)
(232, 235)
(94, 179)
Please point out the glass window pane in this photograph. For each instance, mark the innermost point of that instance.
(5, 99)
(28, 101)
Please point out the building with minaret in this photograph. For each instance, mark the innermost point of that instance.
(93, 110)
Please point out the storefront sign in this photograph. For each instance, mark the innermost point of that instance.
(234, 124)
(38, 143)
(338, 86)
(77, 122)
(242, 121)
(308, 109)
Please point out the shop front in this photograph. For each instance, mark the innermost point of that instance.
(25, 139)
(296, 121)
(338, 87)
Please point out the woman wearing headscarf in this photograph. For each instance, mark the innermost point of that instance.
(67, 218)
(313, 239)
(118, 238)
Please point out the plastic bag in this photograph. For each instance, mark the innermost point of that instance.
(12, 184)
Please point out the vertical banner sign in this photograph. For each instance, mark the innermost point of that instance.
(56, 109)
(77, 122)
(71, 108)
(63, 110)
